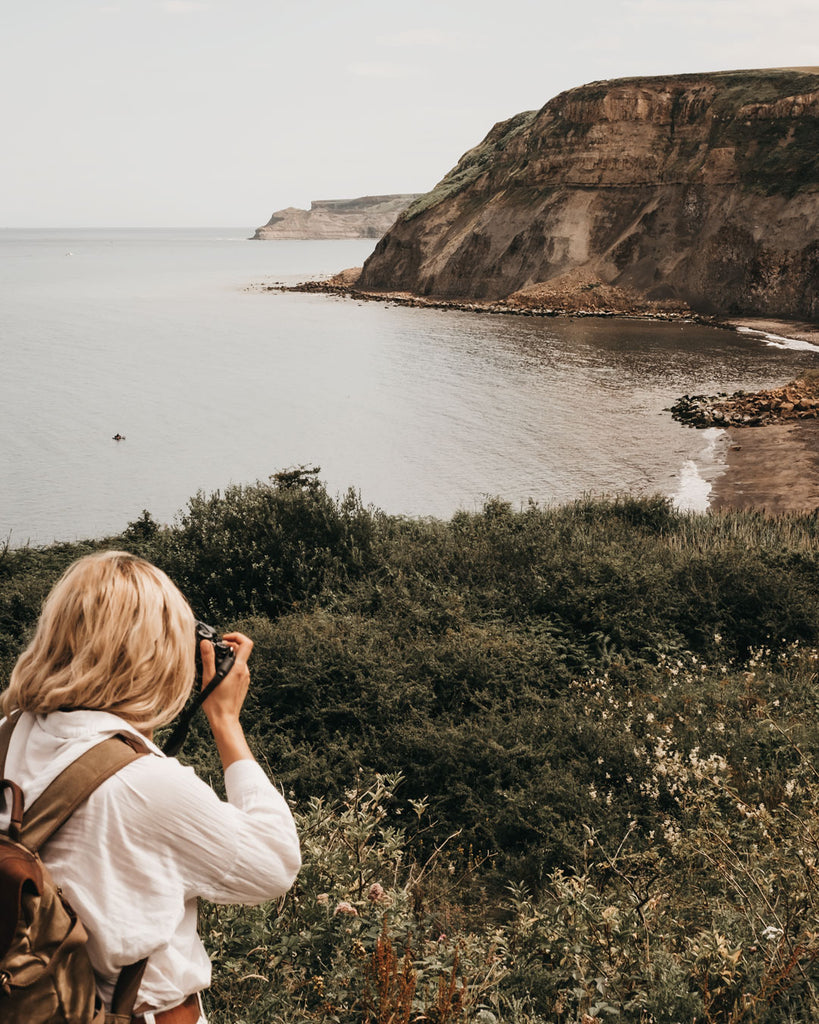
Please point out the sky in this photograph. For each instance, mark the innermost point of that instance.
(181, 113)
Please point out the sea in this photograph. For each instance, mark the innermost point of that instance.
(171, 339)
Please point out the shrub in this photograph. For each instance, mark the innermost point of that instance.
(267, 548)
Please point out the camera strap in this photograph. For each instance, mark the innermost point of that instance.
(174, 742)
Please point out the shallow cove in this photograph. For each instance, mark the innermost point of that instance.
(158, 336)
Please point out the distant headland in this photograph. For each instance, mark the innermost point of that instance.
(365, 217)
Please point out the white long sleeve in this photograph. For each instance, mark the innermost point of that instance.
(134, 858)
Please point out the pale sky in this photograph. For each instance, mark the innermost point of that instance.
(218, 112)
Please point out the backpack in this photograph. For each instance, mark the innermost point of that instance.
(46, 976)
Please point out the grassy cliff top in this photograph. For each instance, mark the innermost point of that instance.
(779, 80)
(733, 89)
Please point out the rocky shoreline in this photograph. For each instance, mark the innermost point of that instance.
(572, 305)
(798, 400)
(570, 299)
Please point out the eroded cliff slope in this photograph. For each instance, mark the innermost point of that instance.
(697, 188)
(366, 217)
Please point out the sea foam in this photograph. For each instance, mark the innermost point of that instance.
(780, 341)
(694, 490)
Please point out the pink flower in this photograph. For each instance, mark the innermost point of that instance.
(376, 893)
(323, 899)
(345, 908)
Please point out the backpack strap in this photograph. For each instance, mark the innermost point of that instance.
(75, 784)
(63, 795)
(126, 989)
(6, 729)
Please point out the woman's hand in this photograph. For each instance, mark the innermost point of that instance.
(225, 703)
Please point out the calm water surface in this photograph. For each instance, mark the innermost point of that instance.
(158, 335)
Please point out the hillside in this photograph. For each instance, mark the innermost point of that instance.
(366, 217)
(559, 763)
(549, 766)
(697, 189)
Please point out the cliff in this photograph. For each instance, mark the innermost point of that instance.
(367, 217)
(697, 189)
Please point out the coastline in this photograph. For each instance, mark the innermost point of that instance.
(773, 469)
(343, 285)
(792, 333)
(782, 331)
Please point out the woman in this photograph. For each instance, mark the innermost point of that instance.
(114, 652)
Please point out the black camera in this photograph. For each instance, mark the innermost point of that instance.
(224, 660)
(222, 652)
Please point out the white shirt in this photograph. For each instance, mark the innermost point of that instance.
(133, 858)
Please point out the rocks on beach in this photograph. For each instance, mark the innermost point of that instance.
(577, 303)
(798, 400)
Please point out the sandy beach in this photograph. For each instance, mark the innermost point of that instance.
(775, 468)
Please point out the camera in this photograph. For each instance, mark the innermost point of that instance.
(224, 659)
(222, 652)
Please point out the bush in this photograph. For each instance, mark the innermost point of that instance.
(267, 548)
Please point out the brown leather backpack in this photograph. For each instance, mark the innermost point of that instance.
(46, 976)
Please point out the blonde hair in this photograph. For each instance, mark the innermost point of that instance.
(115, 635)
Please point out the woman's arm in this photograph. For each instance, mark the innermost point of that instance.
(266, 846)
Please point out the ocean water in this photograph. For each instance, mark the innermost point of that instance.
(167, 338)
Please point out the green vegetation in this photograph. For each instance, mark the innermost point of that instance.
(554, 764)
(736, 88)
(475, 162)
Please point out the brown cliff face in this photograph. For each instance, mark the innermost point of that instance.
(696, 188)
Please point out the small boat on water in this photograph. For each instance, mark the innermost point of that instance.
(118, 437)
